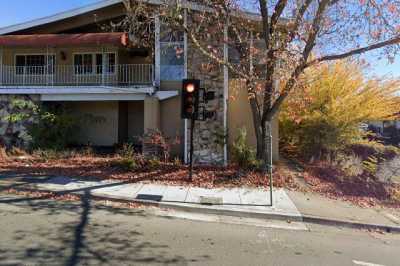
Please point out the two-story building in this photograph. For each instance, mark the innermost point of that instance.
(69, 58)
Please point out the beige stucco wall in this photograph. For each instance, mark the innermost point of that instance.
(239, 116)
(103, 133)
(135, 119)
(151, 114)
(65, 73)
(172, 124)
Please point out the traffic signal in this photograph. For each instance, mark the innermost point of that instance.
(190, 98)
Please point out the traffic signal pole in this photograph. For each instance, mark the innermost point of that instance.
(192, 122)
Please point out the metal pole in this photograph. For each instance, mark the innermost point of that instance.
(270, 163)
(192, 121)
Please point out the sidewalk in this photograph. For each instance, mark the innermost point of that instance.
(316, 208)
(287, 206)
(248, 202)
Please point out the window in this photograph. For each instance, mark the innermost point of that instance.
(172, 55)
(83, 63)
(34, 64)
(93, 63)
(172, 61)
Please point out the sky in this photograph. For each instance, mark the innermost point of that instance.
(18, 11)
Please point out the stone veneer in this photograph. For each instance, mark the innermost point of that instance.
(206, 147)
(14, 134)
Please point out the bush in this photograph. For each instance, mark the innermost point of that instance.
(350, 164)
(323, 115)
(128, 164)
(389, 171)
(127, 151)
(55, 128)
(242, 154)
(154, 163)
(155, 144)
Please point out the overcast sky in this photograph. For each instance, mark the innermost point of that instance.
(17, 11)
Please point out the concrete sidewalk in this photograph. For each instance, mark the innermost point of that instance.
(252, 203)
(316, 208)
(246, 202)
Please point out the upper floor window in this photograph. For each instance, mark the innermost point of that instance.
(172, 65)
(35, 64)
(88, 63)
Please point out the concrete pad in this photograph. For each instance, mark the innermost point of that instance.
(152, 189)
(283, 203)
(175, 193)
(126, 190)
(229, 196)
(254, 196)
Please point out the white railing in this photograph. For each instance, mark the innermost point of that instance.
(67, 75)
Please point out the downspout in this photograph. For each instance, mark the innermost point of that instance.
(1, 65)
(226, 92)
(157, 53)
(103, 67)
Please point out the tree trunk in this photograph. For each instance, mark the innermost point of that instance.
(257, 126)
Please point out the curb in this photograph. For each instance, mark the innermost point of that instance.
(350, 224)
(203, 209)
(281, 217)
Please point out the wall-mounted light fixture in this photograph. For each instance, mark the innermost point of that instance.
(63, 55)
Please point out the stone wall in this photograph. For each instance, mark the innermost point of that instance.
(207, 143)
(15, 133)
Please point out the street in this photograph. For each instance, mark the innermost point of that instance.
(53, 232)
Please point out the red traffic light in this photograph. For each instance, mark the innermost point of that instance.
(190, 87)
(190, 98)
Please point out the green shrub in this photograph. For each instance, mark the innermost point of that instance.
(128, 164)
(55, 128)
(127, 151)
(154, 163)
(177, 161)
(242, 154)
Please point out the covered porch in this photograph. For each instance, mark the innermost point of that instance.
(117, 115)
(77, 60)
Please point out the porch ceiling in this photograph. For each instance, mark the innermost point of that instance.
(55, 90)
(91, 93)
(54, 40)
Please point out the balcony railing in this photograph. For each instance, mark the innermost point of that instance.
(69, 75)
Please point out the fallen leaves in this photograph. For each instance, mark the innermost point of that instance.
(166, 173)
(362, 191)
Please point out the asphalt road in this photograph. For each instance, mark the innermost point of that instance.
(50, 232)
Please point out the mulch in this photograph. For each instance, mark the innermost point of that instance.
(166, 173)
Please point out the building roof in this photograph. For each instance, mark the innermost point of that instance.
(52, 40)
(97, 6)
(58, 16)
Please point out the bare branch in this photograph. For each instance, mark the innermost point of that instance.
(358, 51)
(279, 7)
(265, 23)
(310, 43)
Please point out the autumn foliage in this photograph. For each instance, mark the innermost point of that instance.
(325, 112)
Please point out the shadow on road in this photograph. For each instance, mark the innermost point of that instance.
(79, 233)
